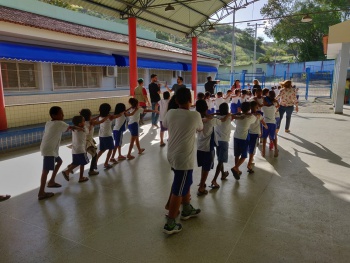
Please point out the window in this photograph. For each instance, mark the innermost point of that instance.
(123, 76)
(72, 76)
(163, 75)
(19, 76)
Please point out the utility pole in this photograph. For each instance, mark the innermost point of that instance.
(256, 26)
(233, 49)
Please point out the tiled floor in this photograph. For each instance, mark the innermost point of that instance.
(294, 208)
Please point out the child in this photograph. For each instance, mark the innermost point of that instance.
(182, 125)
(90, 142)
(133, 125)
(78, 149)
(205, 145)
(265, 92)
(269, 117)
(105, 134)
(245, 96)
(218, 101)
(228, 96)
(118, 131)
(163, 108)
(240, 139)
(210, 103)
(254, 133)
(200, 96)
(49, 150)
(236, 102)
(222, 132)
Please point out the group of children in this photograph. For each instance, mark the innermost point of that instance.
(182, 125)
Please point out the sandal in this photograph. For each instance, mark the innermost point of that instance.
(4, 197)
(56, 185)
(130, 157)
(141, 151)
(45, 196)
(200, 193)
(224, 176)
(114, 161)
(108, 166)
(84, 179)
(65, 175)
(162, 144)
(214, 186)
(235, 174)
(250, 170)
(121, 158)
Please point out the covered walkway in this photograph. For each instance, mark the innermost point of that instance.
(294, 208)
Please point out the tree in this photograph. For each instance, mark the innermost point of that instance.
(303, 39)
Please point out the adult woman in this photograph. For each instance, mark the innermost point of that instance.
(140, 93)
(287, 99)
(236, 85)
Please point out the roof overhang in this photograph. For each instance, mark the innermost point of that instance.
(338, 34)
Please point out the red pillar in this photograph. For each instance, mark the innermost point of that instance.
(3, 119)
(194, 65)
(132, 54)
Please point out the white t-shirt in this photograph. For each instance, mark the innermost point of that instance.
(269, 114)
(79, 141)
(242, 126)
(52, 137)
(182, 126)
(223, 130)
(244, 98)
(136, 116)
(236, 100)
(218, 102)
(89, 132)
(204, 136)
(163, 108)
(260, 101)
(228, 98)
(105, 128)
(255, 127)
(119, 122)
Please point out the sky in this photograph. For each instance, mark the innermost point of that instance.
(251, 12)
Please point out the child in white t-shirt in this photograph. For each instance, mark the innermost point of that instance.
(254, 133)
(210, 103)
(241, 139)
(218, 101)
(118, 131)
(163, 108)
(269, 110)
(182, 126)
(105, 133)
(49, 146)
(133, 125)
(78, 149)
(236, 102)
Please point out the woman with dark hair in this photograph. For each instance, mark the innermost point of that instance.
(288, 100)
(236, 85)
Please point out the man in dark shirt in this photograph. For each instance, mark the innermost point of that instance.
(177, 86)
(209, 85)
(154, 91)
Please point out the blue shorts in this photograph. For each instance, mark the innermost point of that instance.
(233, 108)
(252, 142)
(240, 148)
(80, 159)
(162, 128)
(222, 152)
(50, 161)
(277, 122)
(134, 129)
(118, 137)
(270, 132)
(106, 143)
(182, 182)
(205, 160)
(212, 110)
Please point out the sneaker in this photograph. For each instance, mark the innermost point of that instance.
(192, 213)
(93, 173)
(175, 228)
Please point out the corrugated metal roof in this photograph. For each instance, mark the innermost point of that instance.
(190, 17)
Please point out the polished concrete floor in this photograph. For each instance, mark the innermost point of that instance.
(294, 208)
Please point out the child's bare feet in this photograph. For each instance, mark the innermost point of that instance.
(130, 157)
(141, 151)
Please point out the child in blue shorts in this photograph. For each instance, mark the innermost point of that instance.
(182, 126)
(78, 149)
(49, 146)
(118, 131)
(254, 133)
(236, 102)
(133, 125)
(269, 110)
(240, 140)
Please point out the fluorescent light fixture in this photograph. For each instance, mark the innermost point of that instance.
(169, 7)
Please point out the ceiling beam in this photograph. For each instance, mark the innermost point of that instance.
(192, 9)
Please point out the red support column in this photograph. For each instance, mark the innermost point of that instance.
(132, 54)
(194, 65)
(3, 119)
